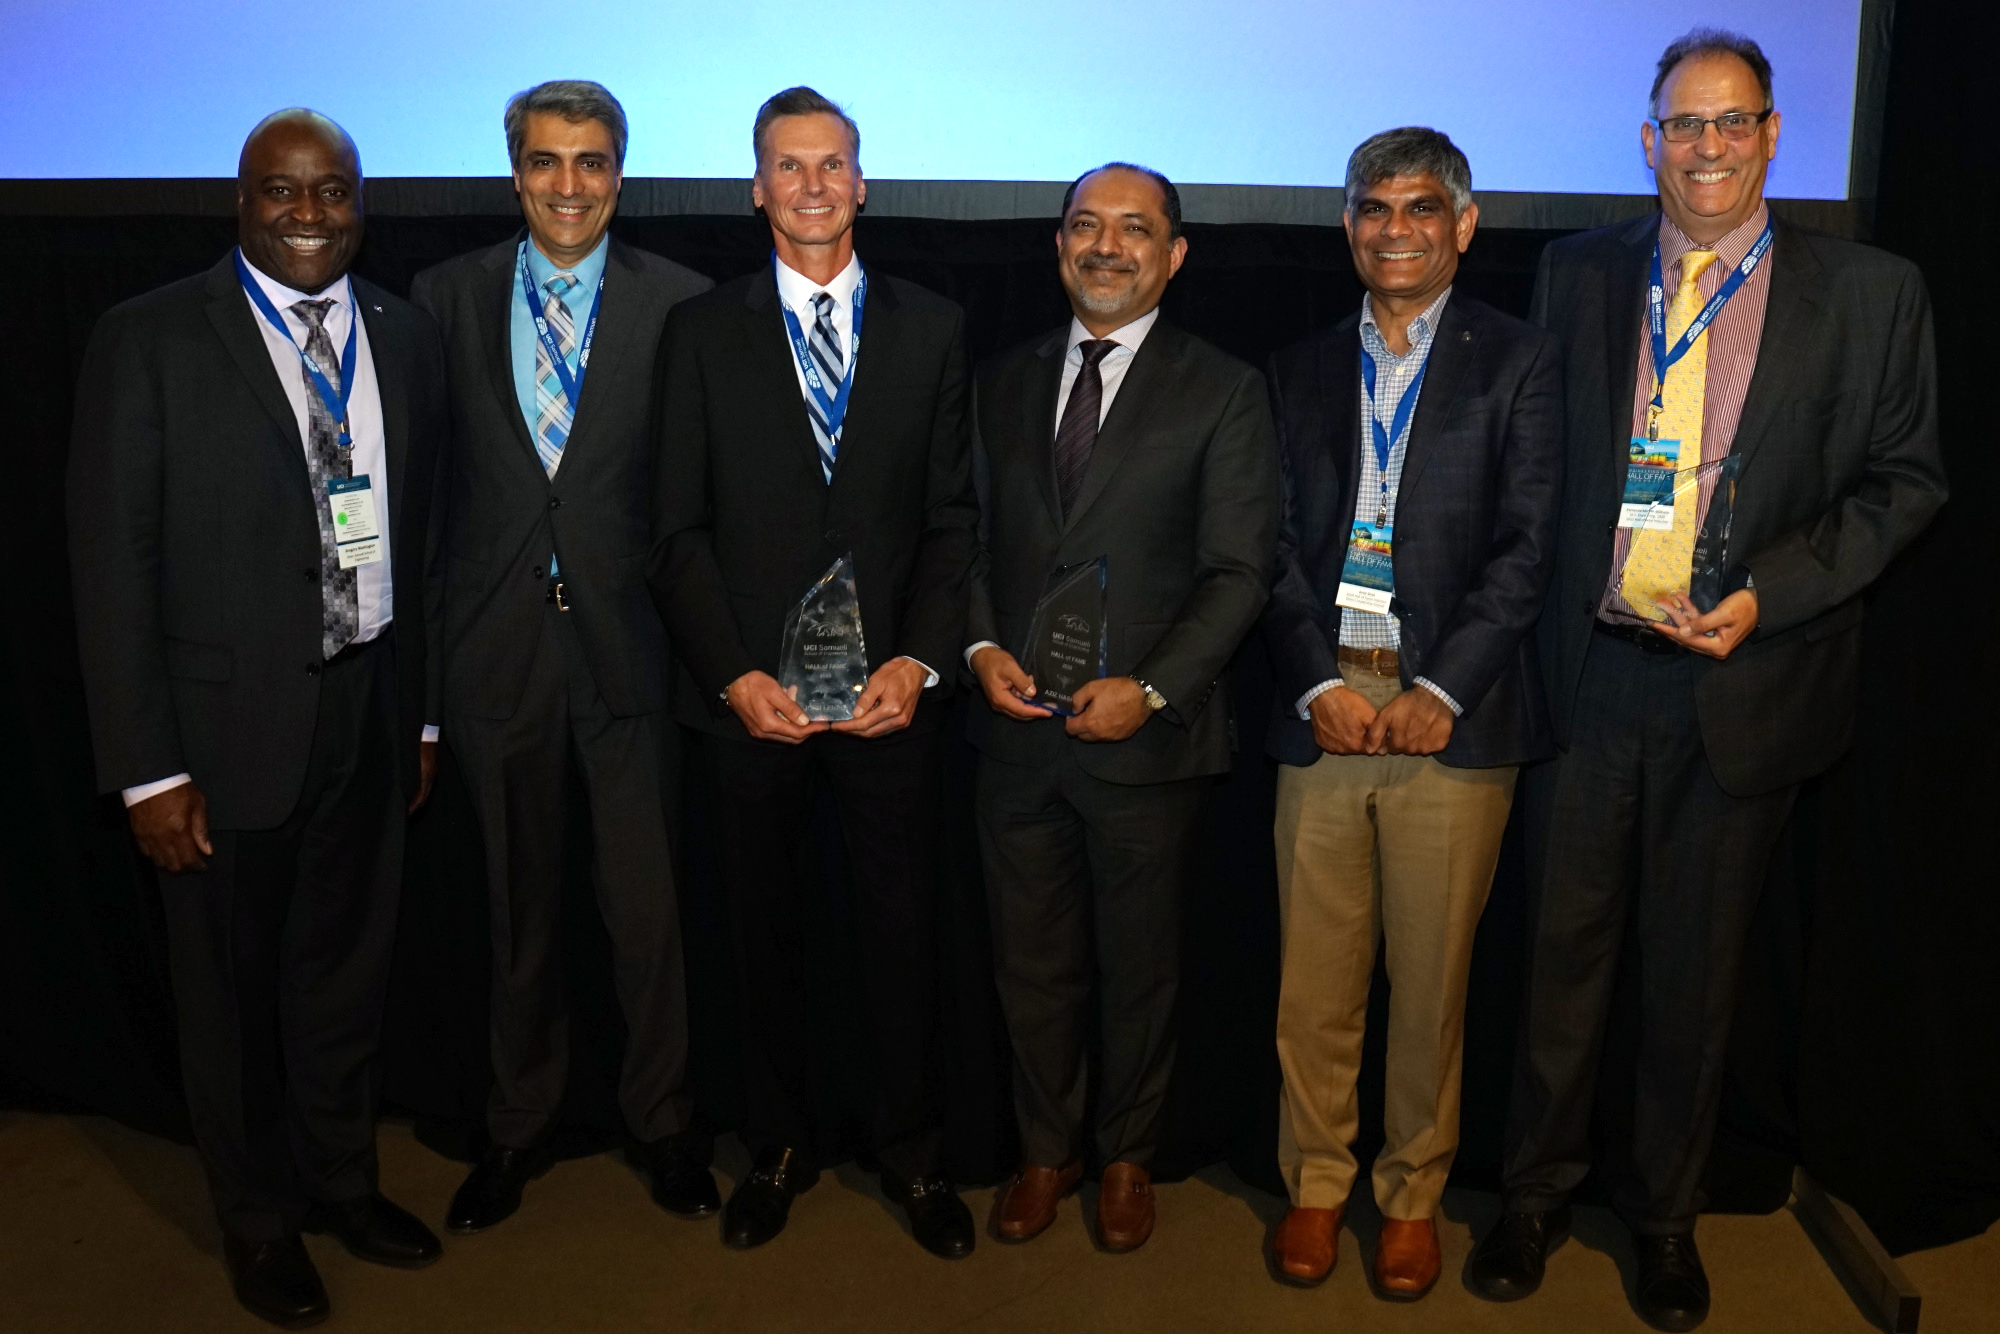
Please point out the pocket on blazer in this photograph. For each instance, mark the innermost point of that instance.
(199, 662)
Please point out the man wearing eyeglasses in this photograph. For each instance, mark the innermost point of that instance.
(1751, 435)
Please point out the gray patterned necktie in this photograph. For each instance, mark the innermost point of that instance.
(340, 616)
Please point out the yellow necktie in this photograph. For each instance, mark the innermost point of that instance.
(1660, 560)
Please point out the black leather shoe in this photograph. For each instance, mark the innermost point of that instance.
(492, 1192)
(940, 1220)
(1672, 1291)
(376, 1230)
(276, 1281)
(680, 1180)
(1507, 1264)
(763, 1200)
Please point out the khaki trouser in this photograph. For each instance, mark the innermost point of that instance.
(1395, 848)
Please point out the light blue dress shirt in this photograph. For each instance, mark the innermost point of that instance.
(521, 334)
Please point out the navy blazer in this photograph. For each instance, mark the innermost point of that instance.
(1476, 518)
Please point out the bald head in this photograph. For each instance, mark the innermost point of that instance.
(298, 199)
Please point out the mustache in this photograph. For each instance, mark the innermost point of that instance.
(1109, 263)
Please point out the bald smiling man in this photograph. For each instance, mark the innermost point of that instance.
(250, 481)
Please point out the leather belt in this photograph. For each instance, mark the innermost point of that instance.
(556, 598)
(1637, 635)
(1380, 661)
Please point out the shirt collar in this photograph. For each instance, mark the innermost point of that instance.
(797, 291)
(1421, 328)
(1128, 336)
(588, 270)
(1729, 251)
(340, 292)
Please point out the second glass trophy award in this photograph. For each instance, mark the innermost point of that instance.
(1068, 643)
(823, 663)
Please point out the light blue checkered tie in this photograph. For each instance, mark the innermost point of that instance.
(553, 411)
(824, 346)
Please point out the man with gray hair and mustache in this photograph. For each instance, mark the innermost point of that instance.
(1422, 445)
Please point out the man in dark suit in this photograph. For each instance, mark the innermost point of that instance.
(1422, 443)
(554, 656)
(1700, 665)
(786, 443)
(1124, 438)
(250, 484)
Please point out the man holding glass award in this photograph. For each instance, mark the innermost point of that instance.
(816, 527)
(1129, 495)
(1751, 435)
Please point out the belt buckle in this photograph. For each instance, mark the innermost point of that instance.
(556, 595)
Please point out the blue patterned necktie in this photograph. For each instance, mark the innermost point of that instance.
(823, 344)
(554, 413)
(340, 605)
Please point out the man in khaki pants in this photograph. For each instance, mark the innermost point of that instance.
(1422, 451)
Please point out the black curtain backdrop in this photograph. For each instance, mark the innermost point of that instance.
(1869, 1025)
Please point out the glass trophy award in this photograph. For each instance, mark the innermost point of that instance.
(1646, 588)
(823, 663)
(1068, 643)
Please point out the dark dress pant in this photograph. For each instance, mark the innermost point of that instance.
(1084, 882)
(1628, 826)
(886, 791)
(280, 953)
(518, 770)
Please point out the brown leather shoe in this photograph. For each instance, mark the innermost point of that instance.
(1027, 1204)
(1306, 1245)
(1124, 1207)
(1407, 1258)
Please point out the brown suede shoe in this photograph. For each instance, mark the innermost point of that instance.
(1027, 1204)
(1124, 1207)
(1306, 1245)
(1407, 1259)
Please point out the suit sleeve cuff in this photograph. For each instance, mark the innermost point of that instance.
(1304, 706)
(984, 643)
(134, 795)
(930, 673)
(431, 732)
(1438, 690)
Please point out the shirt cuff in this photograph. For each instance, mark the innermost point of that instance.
(1438, 690)
(930, 677)
(135, 795)
(1304, 705)
(984, 643)
(431, 732)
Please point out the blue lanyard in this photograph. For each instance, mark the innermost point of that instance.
(1656, 316)
(1398, 423)
(832, 405)
(572, 385)
(336, 403)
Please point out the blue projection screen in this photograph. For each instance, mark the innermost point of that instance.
(1544, 95)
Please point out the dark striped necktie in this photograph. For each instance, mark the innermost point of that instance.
(1076, 435)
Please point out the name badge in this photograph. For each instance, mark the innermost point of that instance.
(1368, 578)
(357, 534)
(1649, 485)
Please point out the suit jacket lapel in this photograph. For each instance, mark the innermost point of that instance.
(617, 326)
(1624, 313)
(1044, 387)
(1444, 376)
(881, 343)
(393, 356)
(496, 316)
(1788, 319)
(235, 323)
(1144, 380)
(769, 364)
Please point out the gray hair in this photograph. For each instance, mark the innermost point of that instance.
(1711, 42)
(800, 101)
(1413, 150)
(576, 101)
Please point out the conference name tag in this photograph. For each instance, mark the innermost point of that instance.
(1368, 578)
(1649, 485)
(357, 535)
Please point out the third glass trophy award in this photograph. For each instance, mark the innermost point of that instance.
(823, 663)
(1068, 642)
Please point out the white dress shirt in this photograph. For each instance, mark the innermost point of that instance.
(797, 291)
(1110, 371)
(374, 590)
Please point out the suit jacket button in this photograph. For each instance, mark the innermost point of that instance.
(833, 537)
(1589, 605)
(538, 573)
(312, 669)
(312, 576)
(555, 503)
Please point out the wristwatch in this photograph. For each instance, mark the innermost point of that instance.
(1155, 701)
